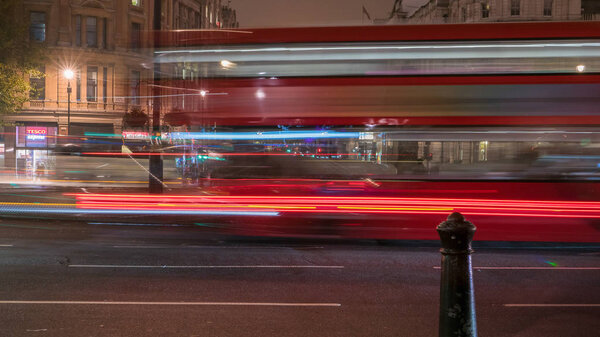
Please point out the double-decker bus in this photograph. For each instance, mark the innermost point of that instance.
(499, 111)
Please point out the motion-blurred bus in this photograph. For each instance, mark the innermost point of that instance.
(361, 110)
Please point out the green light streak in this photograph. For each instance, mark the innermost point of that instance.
(98, 134)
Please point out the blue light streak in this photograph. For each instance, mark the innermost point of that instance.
(263, 135)
(34, 210)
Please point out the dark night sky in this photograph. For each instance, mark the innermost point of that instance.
(289, 13)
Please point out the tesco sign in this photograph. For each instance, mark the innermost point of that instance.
(36, 133)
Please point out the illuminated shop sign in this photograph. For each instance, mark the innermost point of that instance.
(135, 135)
(36, 133)
(366, 136)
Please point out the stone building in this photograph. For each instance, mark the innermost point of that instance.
(100, 42)
(194, 14)
(450, 152)
(466, 11)
(229, 17)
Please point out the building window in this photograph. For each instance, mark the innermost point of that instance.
(483, 150)
(92, 84)
(37, 28)
(38, 85)
(515, 7)
(182, 17)
(91, 31)
(105, 84)
(136, 3)
(104, 33)
(464, 14)
(548, 7)
(136, 29)
(135, 87)
(78, 30)
(78, 85)
(485, 10)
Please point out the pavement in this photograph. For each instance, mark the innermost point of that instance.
(69, 278)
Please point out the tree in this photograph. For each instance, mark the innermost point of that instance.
(136, 118)
(18, 56)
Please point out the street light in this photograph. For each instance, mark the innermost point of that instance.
(68, 74)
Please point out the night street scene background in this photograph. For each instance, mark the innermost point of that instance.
(300, 168)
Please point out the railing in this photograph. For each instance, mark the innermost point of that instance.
(83, 106)
(37, 104)
(590, 16)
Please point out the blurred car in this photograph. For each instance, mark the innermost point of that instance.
(564, 167)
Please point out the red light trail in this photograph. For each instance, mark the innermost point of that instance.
(347, 205)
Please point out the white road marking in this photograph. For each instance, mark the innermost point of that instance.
(532, 268)
(263, 304)
(554, 305)
(217, 247)
(144, 247)
(201, 267)
(135, 224)
(3, 245)
(540, 247)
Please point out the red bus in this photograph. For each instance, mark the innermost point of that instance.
(504, 112)
(543, 73)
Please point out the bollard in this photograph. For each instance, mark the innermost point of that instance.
(457, 297)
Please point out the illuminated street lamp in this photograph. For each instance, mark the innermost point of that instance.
(68, 74)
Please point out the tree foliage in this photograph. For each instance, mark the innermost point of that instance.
(18, 56)
(136, 118)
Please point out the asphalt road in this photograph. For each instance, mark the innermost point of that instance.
(79, 279)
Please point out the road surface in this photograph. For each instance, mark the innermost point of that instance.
(64, 278)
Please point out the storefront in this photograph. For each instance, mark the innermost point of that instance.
(33, 149)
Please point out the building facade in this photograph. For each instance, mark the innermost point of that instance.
(228, 17)
(197, 14)
(446, 154)
(100, 44)
(468, 11)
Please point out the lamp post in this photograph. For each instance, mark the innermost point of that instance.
(155, 164)
(68, 73)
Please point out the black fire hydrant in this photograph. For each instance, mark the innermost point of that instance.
(457, 296)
